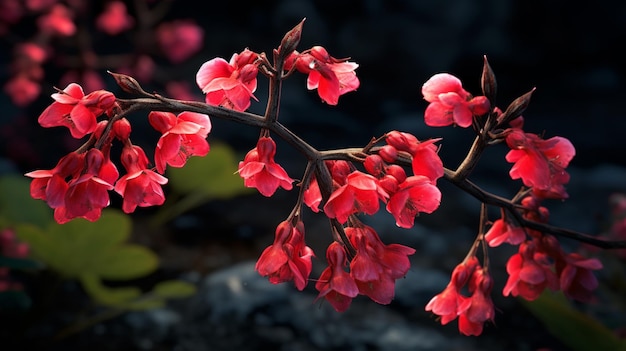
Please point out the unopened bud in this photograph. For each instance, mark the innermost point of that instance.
(291, 39)
(488, 82)
(127, 83)
(122, 129)
(374, 165)
(388, 153)
(516, 108)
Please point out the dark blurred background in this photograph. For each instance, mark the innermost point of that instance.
(573, 53)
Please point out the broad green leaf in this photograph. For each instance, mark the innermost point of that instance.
(214, 175)
(174, 289)
(17, 206)
(105, 295)
(579, 331)
(125, 262)
(144, 303)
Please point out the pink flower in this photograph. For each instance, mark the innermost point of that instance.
(139, 186)
(58, 21)
(114, 19)
(540, 163)
(229, 84)
(360, 193)
(182, 136)
(450, 103)
(415, 194)
(51, 185)
(288, 258)
(450, 303)
(481, 307)
(22, 90)
(179, 40)
(503, 232)
(76, 111)
(335, 284)
(576, 279)
(330, 76)
(259, 170)
(530, 272)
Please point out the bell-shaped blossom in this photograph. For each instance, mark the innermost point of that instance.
(51, 185)
(376, 266)
(451, 303)
(180, 39)
(182, 136)
(88, 194)
(360, 193)
(330, 76)
(530, 273)
(502, 231)
(576, 278)
(140, 186)
(415, 194)
(335, 284)
(450, 103)
(313, 195)
(229, 84)
(481, 307)
(76, 111)
(259, 170)
(540, 163)
(114, 19)
(288, 258)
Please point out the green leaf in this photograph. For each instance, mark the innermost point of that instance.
(579, 331)
(17, 206)
(214, 175)
(146, 303)
(113, 297)
(125, 262)
(174, 289)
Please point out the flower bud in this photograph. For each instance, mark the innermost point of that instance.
(516, 108)
(488, 81)
(291, 39)
(374, 165)
(127, 83)
(121, 129)
(388, 153)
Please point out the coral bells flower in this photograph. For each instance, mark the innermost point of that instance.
(502, 231)
(376, 266)
(450, 303)
(183, 136)
(540, 163)
(335, 284)
(530, 272)
(576, 279)
(51, 185)
(259, 170)
(450, 103)
(288, 258)
(360, 193)
(415, 194)
(140, 186)
(229, 84)
(330, 76)
(76, 111)
(481, 308)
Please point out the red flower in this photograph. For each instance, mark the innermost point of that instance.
(335, 284)
(88, 194)
(75, 110)
(530, 272)
(180, 39)
(115, 19)
(415, 194)
(576, 279)
(313, 195)
(229, 84)
(540, 163)
(259, 170)
(330, 76)
(22, 90)
(288, 258)
(481, 308)
(360, 193)
(183, 136)
(51, 185)
(450, 303)
(139, 186)
(450, 103)
(501, 231)
(58, 21)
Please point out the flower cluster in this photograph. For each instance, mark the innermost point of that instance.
(78, 185)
